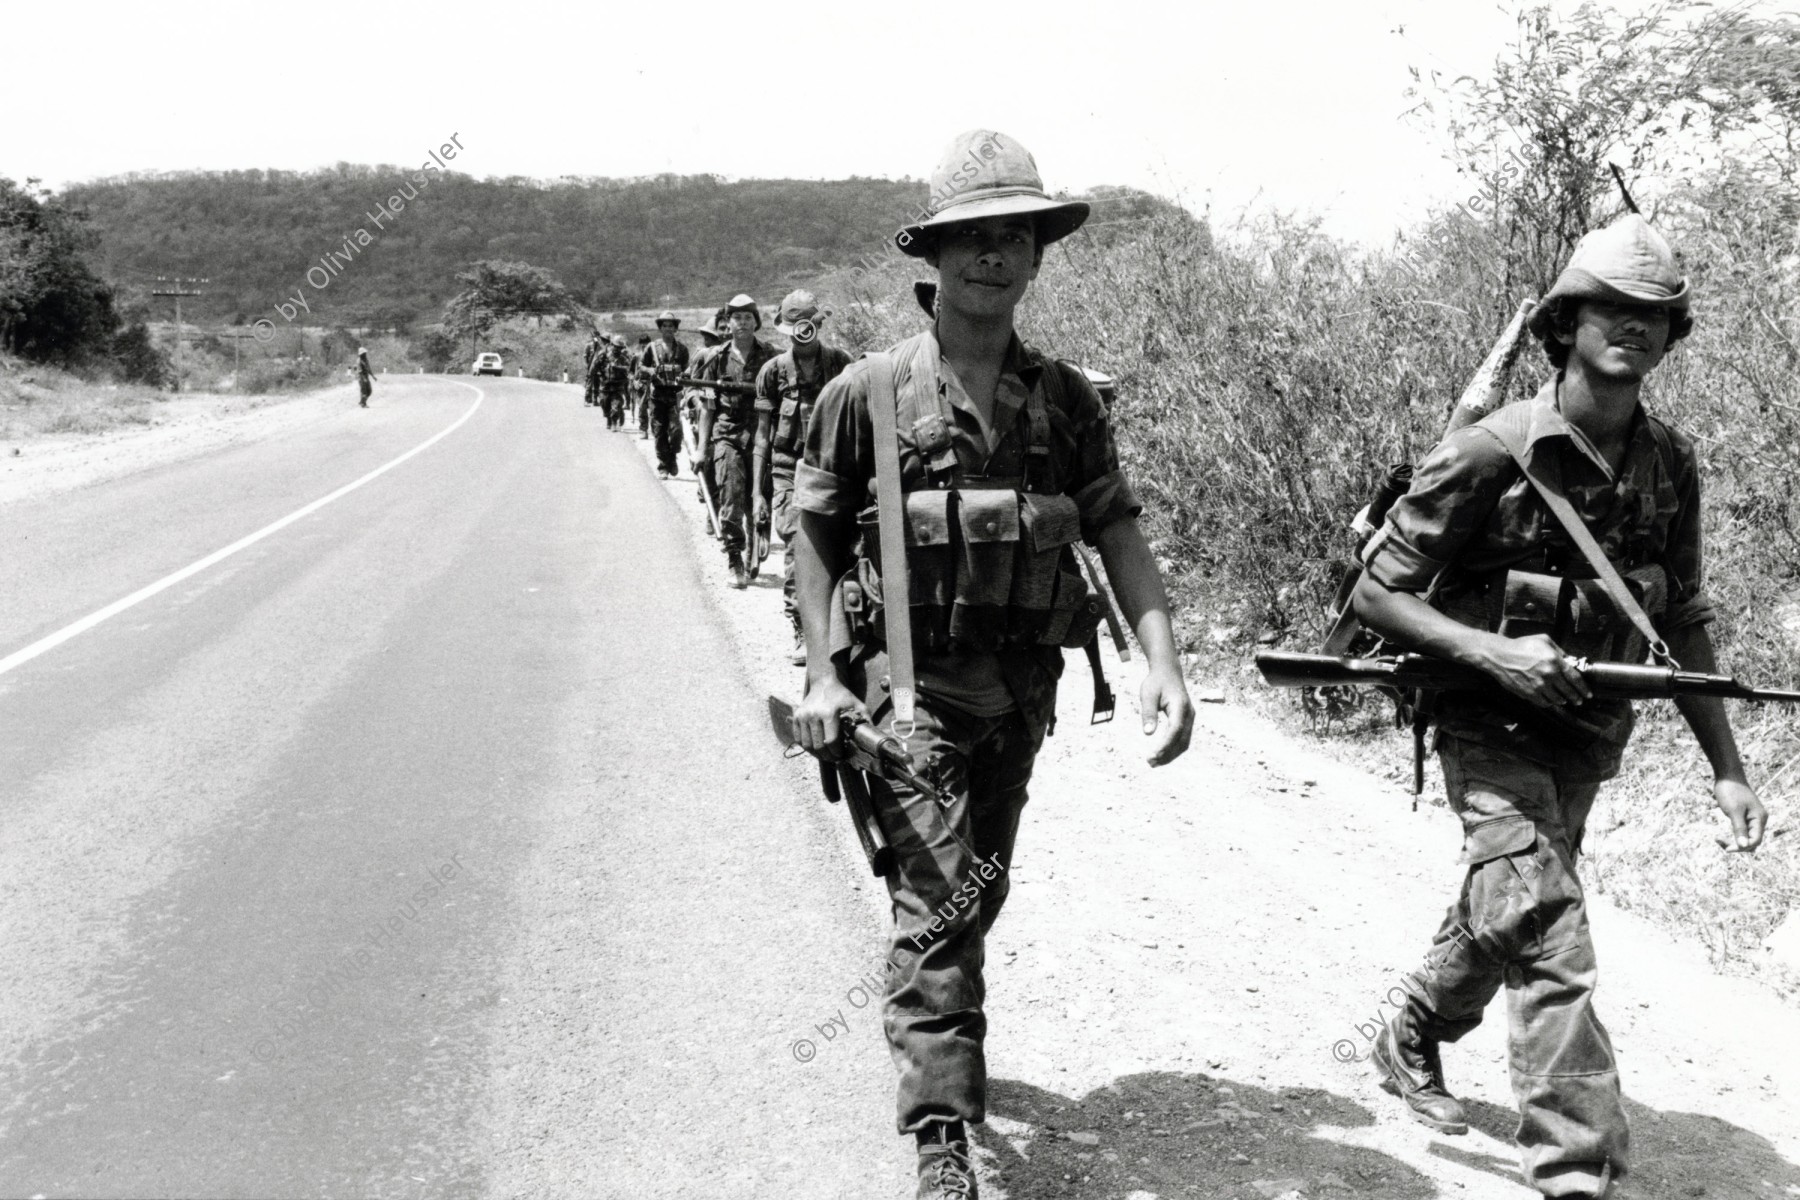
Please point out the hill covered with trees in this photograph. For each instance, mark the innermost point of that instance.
(612, 243)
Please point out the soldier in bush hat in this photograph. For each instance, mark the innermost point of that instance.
(1005, 460)
(786, 389)
(663, 362)
(1512, 592)
(727, 433)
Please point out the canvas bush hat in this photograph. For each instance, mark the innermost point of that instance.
(984, 173)
(1627, 262)
(671, 318)
(799, 315)
(742, 303)
(618, 339)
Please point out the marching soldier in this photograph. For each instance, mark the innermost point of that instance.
(596, 355)
(1004, 458)
(662, 362)
(1531, 522)
(615, 379)
(595, 345)
(727, 427)
(786, 389)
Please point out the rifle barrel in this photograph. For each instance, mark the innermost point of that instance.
(1609, 680)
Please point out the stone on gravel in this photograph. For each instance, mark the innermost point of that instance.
(1280, 1189)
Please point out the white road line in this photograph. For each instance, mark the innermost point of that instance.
(43, 645)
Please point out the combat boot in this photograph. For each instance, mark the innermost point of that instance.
(798, 657)
(1408, 1065)
(735, 563)
(946, 1172)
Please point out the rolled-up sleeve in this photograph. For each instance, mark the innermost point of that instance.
(832, 479)
(1452, 495)
(1101, 491)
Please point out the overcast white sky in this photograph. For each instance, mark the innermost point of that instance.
(1295, 102)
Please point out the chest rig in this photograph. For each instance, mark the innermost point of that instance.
(990, 559)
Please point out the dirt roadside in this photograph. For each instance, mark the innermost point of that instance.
(1181, 991)
(183, 427)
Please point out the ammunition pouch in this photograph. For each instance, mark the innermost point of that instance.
(1577, 613)
(989, 566)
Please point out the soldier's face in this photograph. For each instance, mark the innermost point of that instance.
(1624, 342)
(985, 266)
(743, 324)
(667, 330)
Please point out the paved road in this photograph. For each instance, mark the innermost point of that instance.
(377, 858)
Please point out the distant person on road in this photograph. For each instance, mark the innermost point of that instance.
(664, 361)
(640, 390)
(728, 429)
(596, 372)
(365, 376)
(1005, 459)
(1476, 565)
(786, 389)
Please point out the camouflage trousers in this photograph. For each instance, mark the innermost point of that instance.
(665, 429)
(731, 492)
(1521, 921)
(786, 519)
(950, 882)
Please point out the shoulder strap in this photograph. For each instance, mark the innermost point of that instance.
(1548, 482)
(890, 502)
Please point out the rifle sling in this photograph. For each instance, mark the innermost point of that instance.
(896, 582)
(1547, 480)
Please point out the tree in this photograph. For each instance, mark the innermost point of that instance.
(52, 307)
(502, 289)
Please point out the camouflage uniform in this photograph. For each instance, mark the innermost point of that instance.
(788, 397)
(982, 710)
(733, 427)
(663, 397)
(1521, 779)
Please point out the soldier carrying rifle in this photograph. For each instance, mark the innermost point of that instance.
(970, 465)
(659, 366)
(727, 429)
(1552, 532)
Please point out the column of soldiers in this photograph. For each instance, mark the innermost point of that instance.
(1001, 458)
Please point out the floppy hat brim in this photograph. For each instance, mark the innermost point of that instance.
(1578, 283)
(1056, 219)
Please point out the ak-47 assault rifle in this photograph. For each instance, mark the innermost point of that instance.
(1607, 680)
(869, 752)
(727, 386)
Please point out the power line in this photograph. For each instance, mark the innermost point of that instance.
(172, 287)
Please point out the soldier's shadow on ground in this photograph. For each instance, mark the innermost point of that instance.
(1195, 1135)
(1672, 1154)
(1184, 1135)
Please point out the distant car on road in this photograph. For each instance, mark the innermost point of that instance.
(486, 364)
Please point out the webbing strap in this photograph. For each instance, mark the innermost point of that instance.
(890, 504)
(1548, 483)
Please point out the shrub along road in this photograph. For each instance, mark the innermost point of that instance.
(435, 844)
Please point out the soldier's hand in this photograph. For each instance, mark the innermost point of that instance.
(1739, 803)
(1163, 700)
(759, 511)
(1536, 669)
(819, 717)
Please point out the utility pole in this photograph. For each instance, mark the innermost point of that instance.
(236, 336)
(172, 287)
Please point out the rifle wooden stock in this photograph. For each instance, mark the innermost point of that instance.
(1487, 391)
(1616, 681)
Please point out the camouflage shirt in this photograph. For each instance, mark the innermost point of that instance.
(1471, 516)
(734, 417)
(784, 393)
(836, 478)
